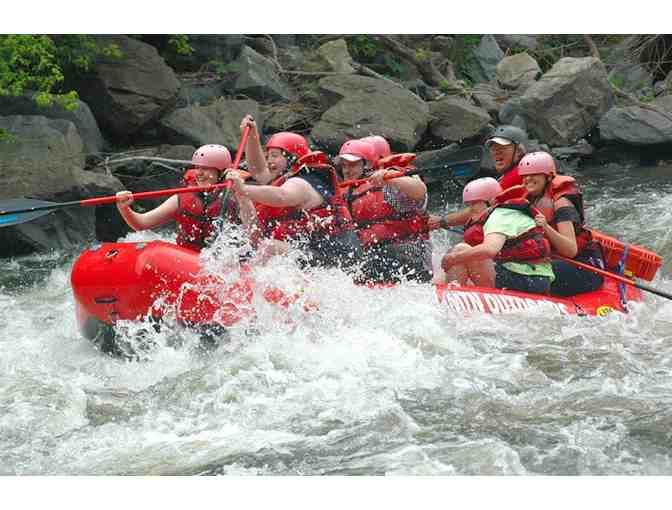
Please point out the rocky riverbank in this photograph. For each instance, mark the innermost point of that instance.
(598, 104)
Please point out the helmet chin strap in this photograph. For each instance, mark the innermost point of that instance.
(513, 158)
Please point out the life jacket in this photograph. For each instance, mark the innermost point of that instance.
(510, 178)
(376, 220)
(329, 219)
(532, 246)
(195, 218)
(566, 186)
(473, 232)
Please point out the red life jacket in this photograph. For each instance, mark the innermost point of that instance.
(376, 220)
(532, 246)
(510, 178)
(195, 219)
(565, 186)
(473, 232)
(330, 218)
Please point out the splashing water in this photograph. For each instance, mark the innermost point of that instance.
(376, 381)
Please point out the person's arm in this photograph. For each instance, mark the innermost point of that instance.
(563, 240)
(293, 193)
(151, 219)
(254, 152)
(491, 246)
(411, 186)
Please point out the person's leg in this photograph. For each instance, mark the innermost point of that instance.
(482, 273)
(570, 280)
(505, 279)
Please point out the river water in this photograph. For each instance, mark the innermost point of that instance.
(375, 382)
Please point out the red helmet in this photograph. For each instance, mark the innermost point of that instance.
(537, 163)
(354, 150)
(289, 142)
(212, 156)
(484, 189)
(380, 145)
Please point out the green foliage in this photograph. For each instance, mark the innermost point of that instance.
(617, 80)
(39, 63)
(364, 47)
(224, 68)
(6, 136)
(179, 44)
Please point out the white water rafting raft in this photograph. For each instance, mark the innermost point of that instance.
(147, 280)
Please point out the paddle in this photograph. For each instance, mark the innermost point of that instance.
(21, 210)
(236, 161)
(616, 277)
(357, 182)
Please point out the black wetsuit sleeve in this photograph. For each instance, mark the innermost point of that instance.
(318, 183)
(567, 213)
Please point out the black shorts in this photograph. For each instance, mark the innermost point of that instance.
(570, 280)
(505, 279)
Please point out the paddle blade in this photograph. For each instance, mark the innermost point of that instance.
(18, 210)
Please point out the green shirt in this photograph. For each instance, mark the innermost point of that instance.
(512, 223)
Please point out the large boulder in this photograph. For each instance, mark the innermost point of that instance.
(568, 101)
(517, 41)
(81, 117)
(44, 159)
(634, 125)
(218, 122)
(127, 93)
(489, 97)
(632, 78)
(336, 55)
(517, 71)
(456, 119)
(360, 106)
(486, 57)
(259, 79)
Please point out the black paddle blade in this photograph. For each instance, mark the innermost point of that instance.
(17, 210)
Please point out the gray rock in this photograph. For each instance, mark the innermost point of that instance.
(259, 79)
(517, 71)
(128, 93)
(456, 119)
(486, 57)
(81, 117)
(360, 106)
(582, 149)
(443, 45)
(664, 102)
(282, 117)
(568, 101)
(215, 123)
(489, 97)
(659, 88)
(632, 78)
(336, 55)
(199, 92)
(517, 41)
(509, 110)
(45, 160)
(633, 125)
(216, 48)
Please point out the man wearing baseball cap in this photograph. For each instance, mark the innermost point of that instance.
(507, 147)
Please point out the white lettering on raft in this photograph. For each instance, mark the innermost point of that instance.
(465, 302)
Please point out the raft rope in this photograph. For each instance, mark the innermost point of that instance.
(620, 269)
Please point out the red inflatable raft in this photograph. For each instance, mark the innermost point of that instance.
(136, 281)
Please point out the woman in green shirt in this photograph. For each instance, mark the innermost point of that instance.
(515, 242)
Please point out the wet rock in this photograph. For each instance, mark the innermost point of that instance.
(634, 125)
(456, 119)
(125, 94)
(359, 106)
(568, 101)
(582, 149)
(259, 79)
(81, 117)
(215, 123)
(45, 160)
(199, 91)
